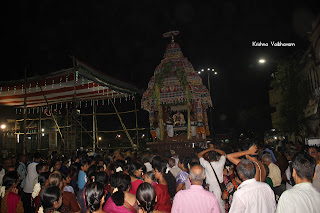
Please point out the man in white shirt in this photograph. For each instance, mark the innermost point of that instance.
(218, 164)
(252, 195)
(28, 186)
(302, 197)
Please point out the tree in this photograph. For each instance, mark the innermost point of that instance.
(293, 86)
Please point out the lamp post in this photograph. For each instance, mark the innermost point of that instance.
(209, 71)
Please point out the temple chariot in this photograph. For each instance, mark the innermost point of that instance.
(176, 99)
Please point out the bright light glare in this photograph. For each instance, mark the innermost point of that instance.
(100, 138)
(215, 73)
(202, 70)
(199, 72)
(262, 61)
(208, 69)
(3, 126)
(42, 130)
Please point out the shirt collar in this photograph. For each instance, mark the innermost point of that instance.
(303, 185)
(246, 182)
(196, 187)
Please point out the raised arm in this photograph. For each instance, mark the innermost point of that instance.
(234, 157)
(219, 151)
(200, 154)
(211, 149)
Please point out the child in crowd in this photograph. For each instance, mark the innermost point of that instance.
(82, 177)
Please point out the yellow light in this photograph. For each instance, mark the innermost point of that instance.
(262, 61)
(100, 138)
(3, 126)
(42, 130)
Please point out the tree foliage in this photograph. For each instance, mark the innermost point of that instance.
(290, 81)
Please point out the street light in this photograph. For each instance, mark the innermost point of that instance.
(3, 126)
(262, 61)
(209, 70)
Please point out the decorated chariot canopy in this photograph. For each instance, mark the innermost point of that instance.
(176, 80)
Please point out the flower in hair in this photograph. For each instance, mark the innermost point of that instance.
(167, 170)
(36, 190)
(93, 178)
(119, 169)
(115, 190)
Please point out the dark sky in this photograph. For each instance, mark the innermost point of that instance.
(124, 39)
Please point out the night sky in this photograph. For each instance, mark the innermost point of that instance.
(124, 39)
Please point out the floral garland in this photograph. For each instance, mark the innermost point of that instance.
(36, 190)
(180, 73)
(2, 191)
(40, 209)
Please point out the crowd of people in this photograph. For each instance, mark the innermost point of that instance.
(220, 178)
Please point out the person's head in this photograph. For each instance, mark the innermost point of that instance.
(313, 152)
(290, 153)
(246, 169)
(7, 162)
(51, 198)
(84, 165)
(43, 179)
(213, 156)
(10, 180)
(91, 169)
(197, 175)
(146, 197)
(55, 179)
(94, 196)
(119, 183)
(37, 157)
(54, 154)
(101, 177)
(23, 158)
(155, 161)
(161, 171)
(39, 168)
(266, 159)
(57, 165)
(66, 179)
(303, 167)
(116, 152)
(134, 169)
(149, 177)
(184, 163)
(171, 162)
